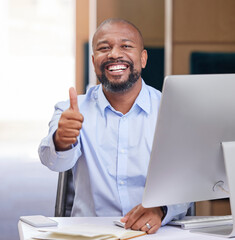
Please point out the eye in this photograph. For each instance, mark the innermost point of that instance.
(103, 48)
(126, 46)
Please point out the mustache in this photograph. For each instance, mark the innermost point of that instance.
(104, 64)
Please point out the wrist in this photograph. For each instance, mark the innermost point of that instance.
(164, 211)
(57, 144)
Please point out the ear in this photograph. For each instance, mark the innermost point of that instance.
(93, 60)
(144, 57)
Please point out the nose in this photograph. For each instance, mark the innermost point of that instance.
(115, 53)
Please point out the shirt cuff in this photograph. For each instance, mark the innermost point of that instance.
(59, 161)
(176, 211)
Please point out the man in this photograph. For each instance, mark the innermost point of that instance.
(106, 135)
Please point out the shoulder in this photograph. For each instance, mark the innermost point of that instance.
(91, 94)
(153, 92)
(83, 99)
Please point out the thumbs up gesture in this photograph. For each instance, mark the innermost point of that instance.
(69, 125)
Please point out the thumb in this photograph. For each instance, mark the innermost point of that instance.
(124, 219)
(73, 99)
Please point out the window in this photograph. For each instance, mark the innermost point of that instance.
(37, 45)
(37, 67)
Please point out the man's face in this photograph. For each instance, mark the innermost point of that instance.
(118, 56)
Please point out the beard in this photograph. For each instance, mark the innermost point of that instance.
(120, 86)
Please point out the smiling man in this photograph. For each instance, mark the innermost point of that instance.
(106, 135)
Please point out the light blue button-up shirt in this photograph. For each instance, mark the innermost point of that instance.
(111, 158)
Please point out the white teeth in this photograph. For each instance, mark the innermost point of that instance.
(117, 67)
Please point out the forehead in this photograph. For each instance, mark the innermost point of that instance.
(117, 31)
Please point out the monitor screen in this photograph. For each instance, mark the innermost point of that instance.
(197, 114)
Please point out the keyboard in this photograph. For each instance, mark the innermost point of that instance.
(194, 222)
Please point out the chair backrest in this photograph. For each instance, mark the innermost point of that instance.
(65, 194)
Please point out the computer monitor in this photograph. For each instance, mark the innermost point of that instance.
(197, 114)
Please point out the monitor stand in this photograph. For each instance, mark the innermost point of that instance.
(229, 159)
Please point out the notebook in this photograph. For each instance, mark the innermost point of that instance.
(86, 232)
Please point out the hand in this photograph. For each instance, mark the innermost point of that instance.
(69, 125)
(139, 216)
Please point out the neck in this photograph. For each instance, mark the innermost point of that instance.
(123, 101)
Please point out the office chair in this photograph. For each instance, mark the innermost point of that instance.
(65, 196)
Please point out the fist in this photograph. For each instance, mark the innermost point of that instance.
(69, 125)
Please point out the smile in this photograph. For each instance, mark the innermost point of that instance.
(117, 68)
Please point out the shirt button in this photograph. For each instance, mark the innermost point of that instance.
(122, 182)
(122, 151)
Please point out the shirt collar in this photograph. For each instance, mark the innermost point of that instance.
(103, 103)
(142, 100)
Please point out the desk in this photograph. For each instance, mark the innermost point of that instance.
(165, 233)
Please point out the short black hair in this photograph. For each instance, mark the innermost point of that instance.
(119, 20)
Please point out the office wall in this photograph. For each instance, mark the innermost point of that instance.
(82, 36)
(202, 25)
(147, 15)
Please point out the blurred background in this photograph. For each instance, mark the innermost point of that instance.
(37, 59)
(44, 49)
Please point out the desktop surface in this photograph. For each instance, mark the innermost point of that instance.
(164, 233)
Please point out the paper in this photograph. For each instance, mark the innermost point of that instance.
(86, 232)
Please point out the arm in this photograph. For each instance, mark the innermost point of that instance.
(57, 151)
